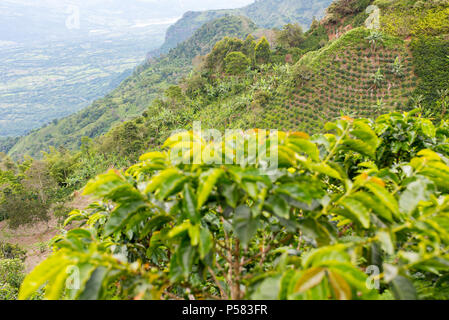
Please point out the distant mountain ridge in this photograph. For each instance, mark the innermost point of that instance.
(264, 13)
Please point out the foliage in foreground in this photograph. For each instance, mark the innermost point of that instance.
(12, 270)
(370, 196)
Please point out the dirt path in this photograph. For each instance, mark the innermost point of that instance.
(33, 239)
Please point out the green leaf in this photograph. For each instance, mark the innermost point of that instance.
(103, 184)
(45, 271)
(304, 192)
(386, 198)
(156, 181)
(302, 145)
(93, 286)
(428, 128)
(315, 230)
(153, 156)
(279, 206)
(268, 289)
(189, 205)
(171, 186)
(285, 284)
(82, 273)
(354, 277)
(413, 195)
(340, 287)
(244, 225)
(180, 229)
(251, 188)
(310, 278)
(385, 241)
(364, 133)
(155, 223)
(55, 288)
(403, 289)
(206, 242)
(371, 202)
(207, 183)
(360, 147)
(324, 169)
(121, 214)
(231, 193)
(321, 256)
(356, 210)
(186, 256)
(194, 234)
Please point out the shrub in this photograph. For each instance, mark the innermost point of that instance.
(291, 35)
(11, 277)
(263, 51)
(236, 63)
(11, 251)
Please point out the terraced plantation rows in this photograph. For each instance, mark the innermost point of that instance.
(360, 81)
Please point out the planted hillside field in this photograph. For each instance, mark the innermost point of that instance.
(350, 76)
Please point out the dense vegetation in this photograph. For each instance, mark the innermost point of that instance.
(12, 270)
(369, 195)
(340, 207)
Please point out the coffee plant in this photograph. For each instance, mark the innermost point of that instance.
(356, 213)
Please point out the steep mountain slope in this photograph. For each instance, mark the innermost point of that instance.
(265, 13)
(135, 93)
(354, 74)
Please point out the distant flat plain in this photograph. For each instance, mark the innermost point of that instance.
(48, 81)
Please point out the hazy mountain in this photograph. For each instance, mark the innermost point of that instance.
(43, 20)
(265, 13)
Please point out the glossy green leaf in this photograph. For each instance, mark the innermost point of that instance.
(244, 225)
(207, 183)
(356, 210)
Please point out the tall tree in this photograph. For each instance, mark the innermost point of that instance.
(263, 51)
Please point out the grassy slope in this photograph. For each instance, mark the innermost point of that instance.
(337, 85)
(341, 73)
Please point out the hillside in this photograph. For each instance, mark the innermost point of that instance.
(355, 73)
(359, 73)
(265, 13)
(134, 95)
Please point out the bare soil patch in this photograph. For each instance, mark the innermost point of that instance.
(34, 239)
